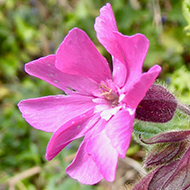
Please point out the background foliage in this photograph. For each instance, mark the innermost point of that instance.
(30, 29)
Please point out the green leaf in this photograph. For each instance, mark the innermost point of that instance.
(150, 129)
(186, 13)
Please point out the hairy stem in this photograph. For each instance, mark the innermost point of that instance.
(185, 108)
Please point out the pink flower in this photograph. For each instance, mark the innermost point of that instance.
(99, 105)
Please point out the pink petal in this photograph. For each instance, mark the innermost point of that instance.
(108, 113)
(133, 50)
(83, 168)
(73, 129)
(77, 55)
(129, 50)
(44, 68)
(104, 154)
(51, 112)
(104, 26)
(119, 73)
(119, 130)
(137, 92)
(99, 126)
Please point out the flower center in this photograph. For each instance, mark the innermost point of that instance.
(109, 94)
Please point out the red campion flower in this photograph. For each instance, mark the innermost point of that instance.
(99, 105)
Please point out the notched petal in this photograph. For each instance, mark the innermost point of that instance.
(104, 155)
(73, 129)
(119, 130)
(44, 68)
(83, 168)
(138, 90)
(159, 105)
(77, 55)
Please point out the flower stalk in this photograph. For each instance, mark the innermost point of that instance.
(185, 108)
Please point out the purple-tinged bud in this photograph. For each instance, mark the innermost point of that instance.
(158, 106)
(174, 175)
(172, 159)
(167, 137)
(168, 146)
(164, 153)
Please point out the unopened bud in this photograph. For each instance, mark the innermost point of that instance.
(159, 105)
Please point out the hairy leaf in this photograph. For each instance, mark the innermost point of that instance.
(149, 129)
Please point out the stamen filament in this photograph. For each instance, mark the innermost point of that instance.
(109, 94)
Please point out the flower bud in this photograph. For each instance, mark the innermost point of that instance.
(158, 105)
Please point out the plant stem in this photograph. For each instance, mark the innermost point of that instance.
(185, 108)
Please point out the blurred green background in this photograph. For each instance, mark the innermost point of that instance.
(30, 29)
